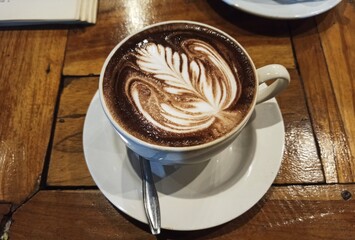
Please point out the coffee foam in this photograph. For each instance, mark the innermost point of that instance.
(179, 85)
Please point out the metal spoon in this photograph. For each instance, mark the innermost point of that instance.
(150, 197)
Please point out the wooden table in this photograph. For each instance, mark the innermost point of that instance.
(49, 74)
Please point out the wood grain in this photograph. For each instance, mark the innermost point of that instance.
(266, 41)
(31, 63)
(337, 34)
(73, 215)
(323, 107)
(301, 163)
(67, 165)
(293, 212)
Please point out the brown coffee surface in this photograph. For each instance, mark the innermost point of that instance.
(179, 85)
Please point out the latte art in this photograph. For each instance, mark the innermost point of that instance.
(200, 74)
(179, 85)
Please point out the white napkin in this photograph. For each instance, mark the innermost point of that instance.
(27, 12)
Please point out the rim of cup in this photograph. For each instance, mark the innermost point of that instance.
(126, 134)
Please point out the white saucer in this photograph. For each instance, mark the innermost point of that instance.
(196, 196)
(284, 9)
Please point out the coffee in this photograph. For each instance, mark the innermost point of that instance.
(179, 84)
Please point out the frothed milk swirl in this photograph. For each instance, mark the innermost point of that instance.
(206, 96)
(179, 85)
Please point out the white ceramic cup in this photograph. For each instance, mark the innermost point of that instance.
(195, 154)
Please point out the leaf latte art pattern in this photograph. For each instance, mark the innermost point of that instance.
(183, 92)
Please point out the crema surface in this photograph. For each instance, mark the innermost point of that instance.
(179, 85)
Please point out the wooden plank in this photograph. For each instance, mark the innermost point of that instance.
(292, 212)
(301, 163)
(67, 165)
(73, 215)
(31, 64)
(337, 34)
(267, 41)
(326, 120)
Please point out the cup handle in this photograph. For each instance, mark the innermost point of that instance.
(272, 72)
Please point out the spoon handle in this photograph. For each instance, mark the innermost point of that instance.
(150, 197)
